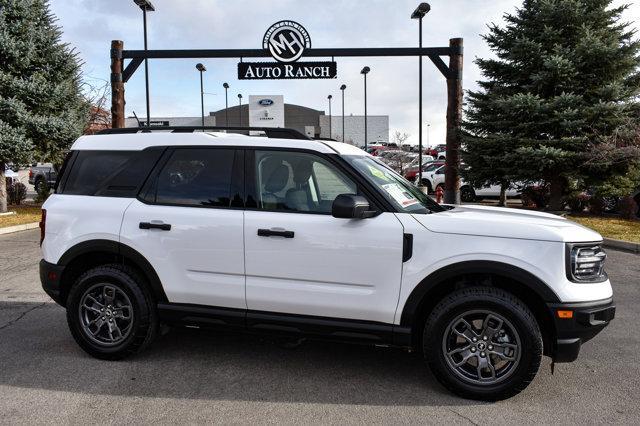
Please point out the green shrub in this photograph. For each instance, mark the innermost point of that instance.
(16, 193)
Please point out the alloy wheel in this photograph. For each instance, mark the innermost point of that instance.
(482, 347)
(106, 314)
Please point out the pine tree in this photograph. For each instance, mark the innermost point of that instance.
(42, 109)
(563, 82)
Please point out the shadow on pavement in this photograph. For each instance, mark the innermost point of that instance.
(37, 351)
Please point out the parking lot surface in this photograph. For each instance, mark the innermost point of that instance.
(195, 376)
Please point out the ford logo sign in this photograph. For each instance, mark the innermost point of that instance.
(265, 102)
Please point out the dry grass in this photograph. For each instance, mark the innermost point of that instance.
(24, 214)
(619, 229)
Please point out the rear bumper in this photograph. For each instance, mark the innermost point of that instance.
(50, 274)
(589, 319)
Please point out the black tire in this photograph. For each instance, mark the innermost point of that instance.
(143, 326)
(41, 185)
(517, 316)
(467, 194)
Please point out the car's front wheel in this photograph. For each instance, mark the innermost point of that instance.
(482, 343)
(110, 313)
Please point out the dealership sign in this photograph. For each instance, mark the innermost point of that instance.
(286, 41)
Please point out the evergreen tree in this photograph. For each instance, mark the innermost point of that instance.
(563, 83)
(42, 109)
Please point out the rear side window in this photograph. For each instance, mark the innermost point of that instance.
(110, 173)
(200, 177)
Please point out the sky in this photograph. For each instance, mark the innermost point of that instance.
(392, 85)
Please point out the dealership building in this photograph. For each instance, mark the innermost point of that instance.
(272, 111)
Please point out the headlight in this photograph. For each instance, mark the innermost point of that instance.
(586, 263)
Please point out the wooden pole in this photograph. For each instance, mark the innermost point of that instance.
(454, 122)
(117, 85)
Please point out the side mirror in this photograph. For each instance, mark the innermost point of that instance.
(351, 206)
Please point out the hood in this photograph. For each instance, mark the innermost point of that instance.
(506, 223)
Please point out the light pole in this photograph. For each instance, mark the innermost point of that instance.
(146, 6)
(364, 72)
(428, 143)
(330, 97)
(344, 86)
(226, 104)
(201, 68)
(421, 10)
(240, 108)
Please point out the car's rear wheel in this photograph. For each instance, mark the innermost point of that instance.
(467, 194)
(41, 185)
(110, 313)
(482, 343)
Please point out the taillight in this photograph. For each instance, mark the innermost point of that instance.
(30, 173)
(42, 224)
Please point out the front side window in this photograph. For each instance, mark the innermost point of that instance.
(197, 177)
(298, 182)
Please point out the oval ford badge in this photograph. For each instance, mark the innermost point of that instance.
(265, 102)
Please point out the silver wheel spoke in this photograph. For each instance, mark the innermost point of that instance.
(466, 355)
(93, 299)
(491, 326)
(108, 294)
(500, 349)
(468, 333)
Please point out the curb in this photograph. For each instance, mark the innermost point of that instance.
(18, 228)
(622, 245)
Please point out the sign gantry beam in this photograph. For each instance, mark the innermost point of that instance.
(434, 53)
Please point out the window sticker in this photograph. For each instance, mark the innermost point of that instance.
(377, 173)
(400, 195)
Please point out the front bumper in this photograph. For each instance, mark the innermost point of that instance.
(587, 320)
(50, 275)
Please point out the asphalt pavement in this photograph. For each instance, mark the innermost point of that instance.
(195, 376)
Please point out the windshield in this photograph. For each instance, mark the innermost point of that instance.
(402, 194)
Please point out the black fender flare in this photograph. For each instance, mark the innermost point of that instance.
(527, 279)
(120, 250)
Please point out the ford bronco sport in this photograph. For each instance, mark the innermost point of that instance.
(311, 239)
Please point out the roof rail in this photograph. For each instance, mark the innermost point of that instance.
(271, 132)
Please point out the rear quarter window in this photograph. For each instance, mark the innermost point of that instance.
(110, 173)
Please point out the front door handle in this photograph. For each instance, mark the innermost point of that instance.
(275, 233)
(152, 225)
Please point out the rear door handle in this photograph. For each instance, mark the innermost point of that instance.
(275, 233)
(152, 225)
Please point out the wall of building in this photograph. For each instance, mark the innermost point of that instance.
(377, 128)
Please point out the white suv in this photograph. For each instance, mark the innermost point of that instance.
(311, 239)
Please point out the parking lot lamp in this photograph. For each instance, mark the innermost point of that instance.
(201, 68)
(421, 10)
(344, 86)
(146, 6)
(226, 103)
(330, 97)
(240, 107)
(364, 72)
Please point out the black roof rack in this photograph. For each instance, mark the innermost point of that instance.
(271, 132)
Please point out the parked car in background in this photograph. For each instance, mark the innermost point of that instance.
(411, 170)
(42, 176)
(426, 169)
(9, 174)
(437, 150)
(375, 150)
(435, 178)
